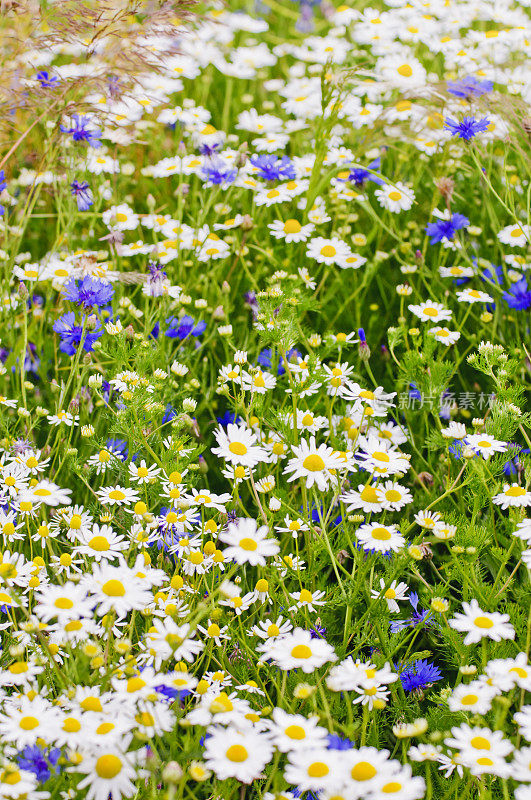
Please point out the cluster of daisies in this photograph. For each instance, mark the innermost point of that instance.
(231, 556)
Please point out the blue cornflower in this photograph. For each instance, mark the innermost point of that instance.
(417, 618)
(305, 22)
(414, 392)
(184, 327)
(156, 279)
(251, 301)
(218, 174)
(492, 274)
(519, 296)
(80, 131)
(169, 414)
(271, 168)
(72, 334)
(46, 80)
(41, 762)
(3, 185)
(83, 194)
(88, 292)
(446, 228)
(266, 356)
(469, 87)
(358, 175)
(514, 465)
(319, 513)
(419, 674)
(467, 128)
(118, 447)
(335, 742)
(209, 149)
(228, 418)
(170, 693)
(317, 632)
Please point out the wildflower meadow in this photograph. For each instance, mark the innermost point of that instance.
(265, 431)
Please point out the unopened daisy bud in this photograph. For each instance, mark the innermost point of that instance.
(219, 313)
(87, 431)
(23, 412)
(240, 357)
(486, 317)
(355, 517)
(379, 704)
(160, 374)
(468, 453)
(303, 690)
(23, 291)
(179, 369)
(468, 669)
(189, 404)
(404, 289)
(415, 552)
(405, 730)
(17, 650)
(247, 223)
(95, 381)
(314, 340)
(477, 422)
(439, 604)
(225, 330)
(274, 504)
(198, 771)
(172, 772)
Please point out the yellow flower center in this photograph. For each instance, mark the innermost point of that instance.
(318, 769)
(295, 732)
(381, 534)
(405, 70)
(71, 725)
(301, 651)
(369, 494)
(63, 603)
(313, 463)
(483, 622)
(108, 766)
(363, 771)
(99, 543)
(113, 588)
(238, 448)
(292, 226)
(237, 753)
(480, 743)
(91, 704)
(392, 495)
(515, 491)
(248, 544)
(28, 723)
